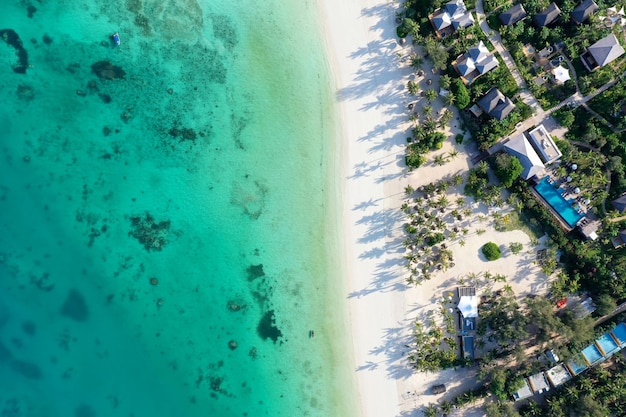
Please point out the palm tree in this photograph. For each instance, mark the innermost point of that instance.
(413, 87)
(427, 109)
(453, 154)
(482, 167)
(416, 62)
(431, 95)
(460, 201)
(440, 160)
(430, 411)
(449, 99)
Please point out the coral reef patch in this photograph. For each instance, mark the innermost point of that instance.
(255, 271)
(26, 369)
(75, 306)
(84, 410)
(151, 234)
(267, 327)
(25, 92)
(11, 37)
(107, 71)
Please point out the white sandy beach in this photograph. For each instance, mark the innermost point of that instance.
(370, 76)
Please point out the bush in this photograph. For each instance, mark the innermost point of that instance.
(435, 238)
(516, 247)
(491, 251)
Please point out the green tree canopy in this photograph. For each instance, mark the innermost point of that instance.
(438, 54)
(507, 168)
(460, 92)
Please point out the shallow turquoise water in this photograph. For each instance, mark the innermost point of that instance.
(169, 236)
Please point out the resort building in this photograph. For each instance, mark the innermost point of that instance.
(589, 226)
(601, 349)
(584, 10)
(496, 104)
(601, 53)
(558, 375)
(513, 15)
(544, 144)
(620, 204)
(520, 147)
(523, 392)
(547, 16)
(450, 18)
(474, 63)
(619, 240)
(538, 383)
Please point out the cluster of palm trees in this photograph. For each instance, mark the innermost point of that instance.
(435, 341)
(431, 223)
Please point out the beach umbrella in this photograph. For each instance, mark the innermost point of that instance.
(587, 201)
(574, 167)
(576, 190)
(569, 179)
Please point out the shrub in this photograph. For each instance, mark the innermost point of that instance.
(516, 247)
(435, 238)
(491, 251)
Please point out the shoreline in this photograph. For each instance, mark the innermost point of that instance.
(364, 65)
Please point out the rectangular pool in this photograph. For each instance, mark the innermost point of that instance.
(592, 354)
(619, 332)
(552, 196)
(577, 364)
(607, 345)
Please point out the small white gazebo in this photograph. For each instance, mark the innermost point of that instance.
(468, 306)
(561, 74)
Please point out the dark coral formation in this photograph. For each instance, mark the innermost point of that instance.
(107, 71)
(267, 327)
(47, 39)
(31, 10)
(224, 29)
(25, 92)
(184, 133)
(106, 99)
(12, 38)
(255, 271)
(26, 369)
(29, 327)
(232, 345)
(75, 306)
(150, 233)
(84, 410)
(235, 306)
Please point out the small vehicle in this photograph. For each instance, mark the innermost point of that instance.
(438, 389)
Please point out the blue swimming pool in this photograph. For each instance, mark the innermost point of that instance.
(592, 354)
(607, 345)
(552, 196)
(620, 333)
(577, 365)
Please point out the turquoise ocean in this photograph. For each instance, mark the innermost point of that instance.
(169, 212)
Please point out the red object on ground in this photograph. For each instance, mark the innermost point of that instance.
(561, 303)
